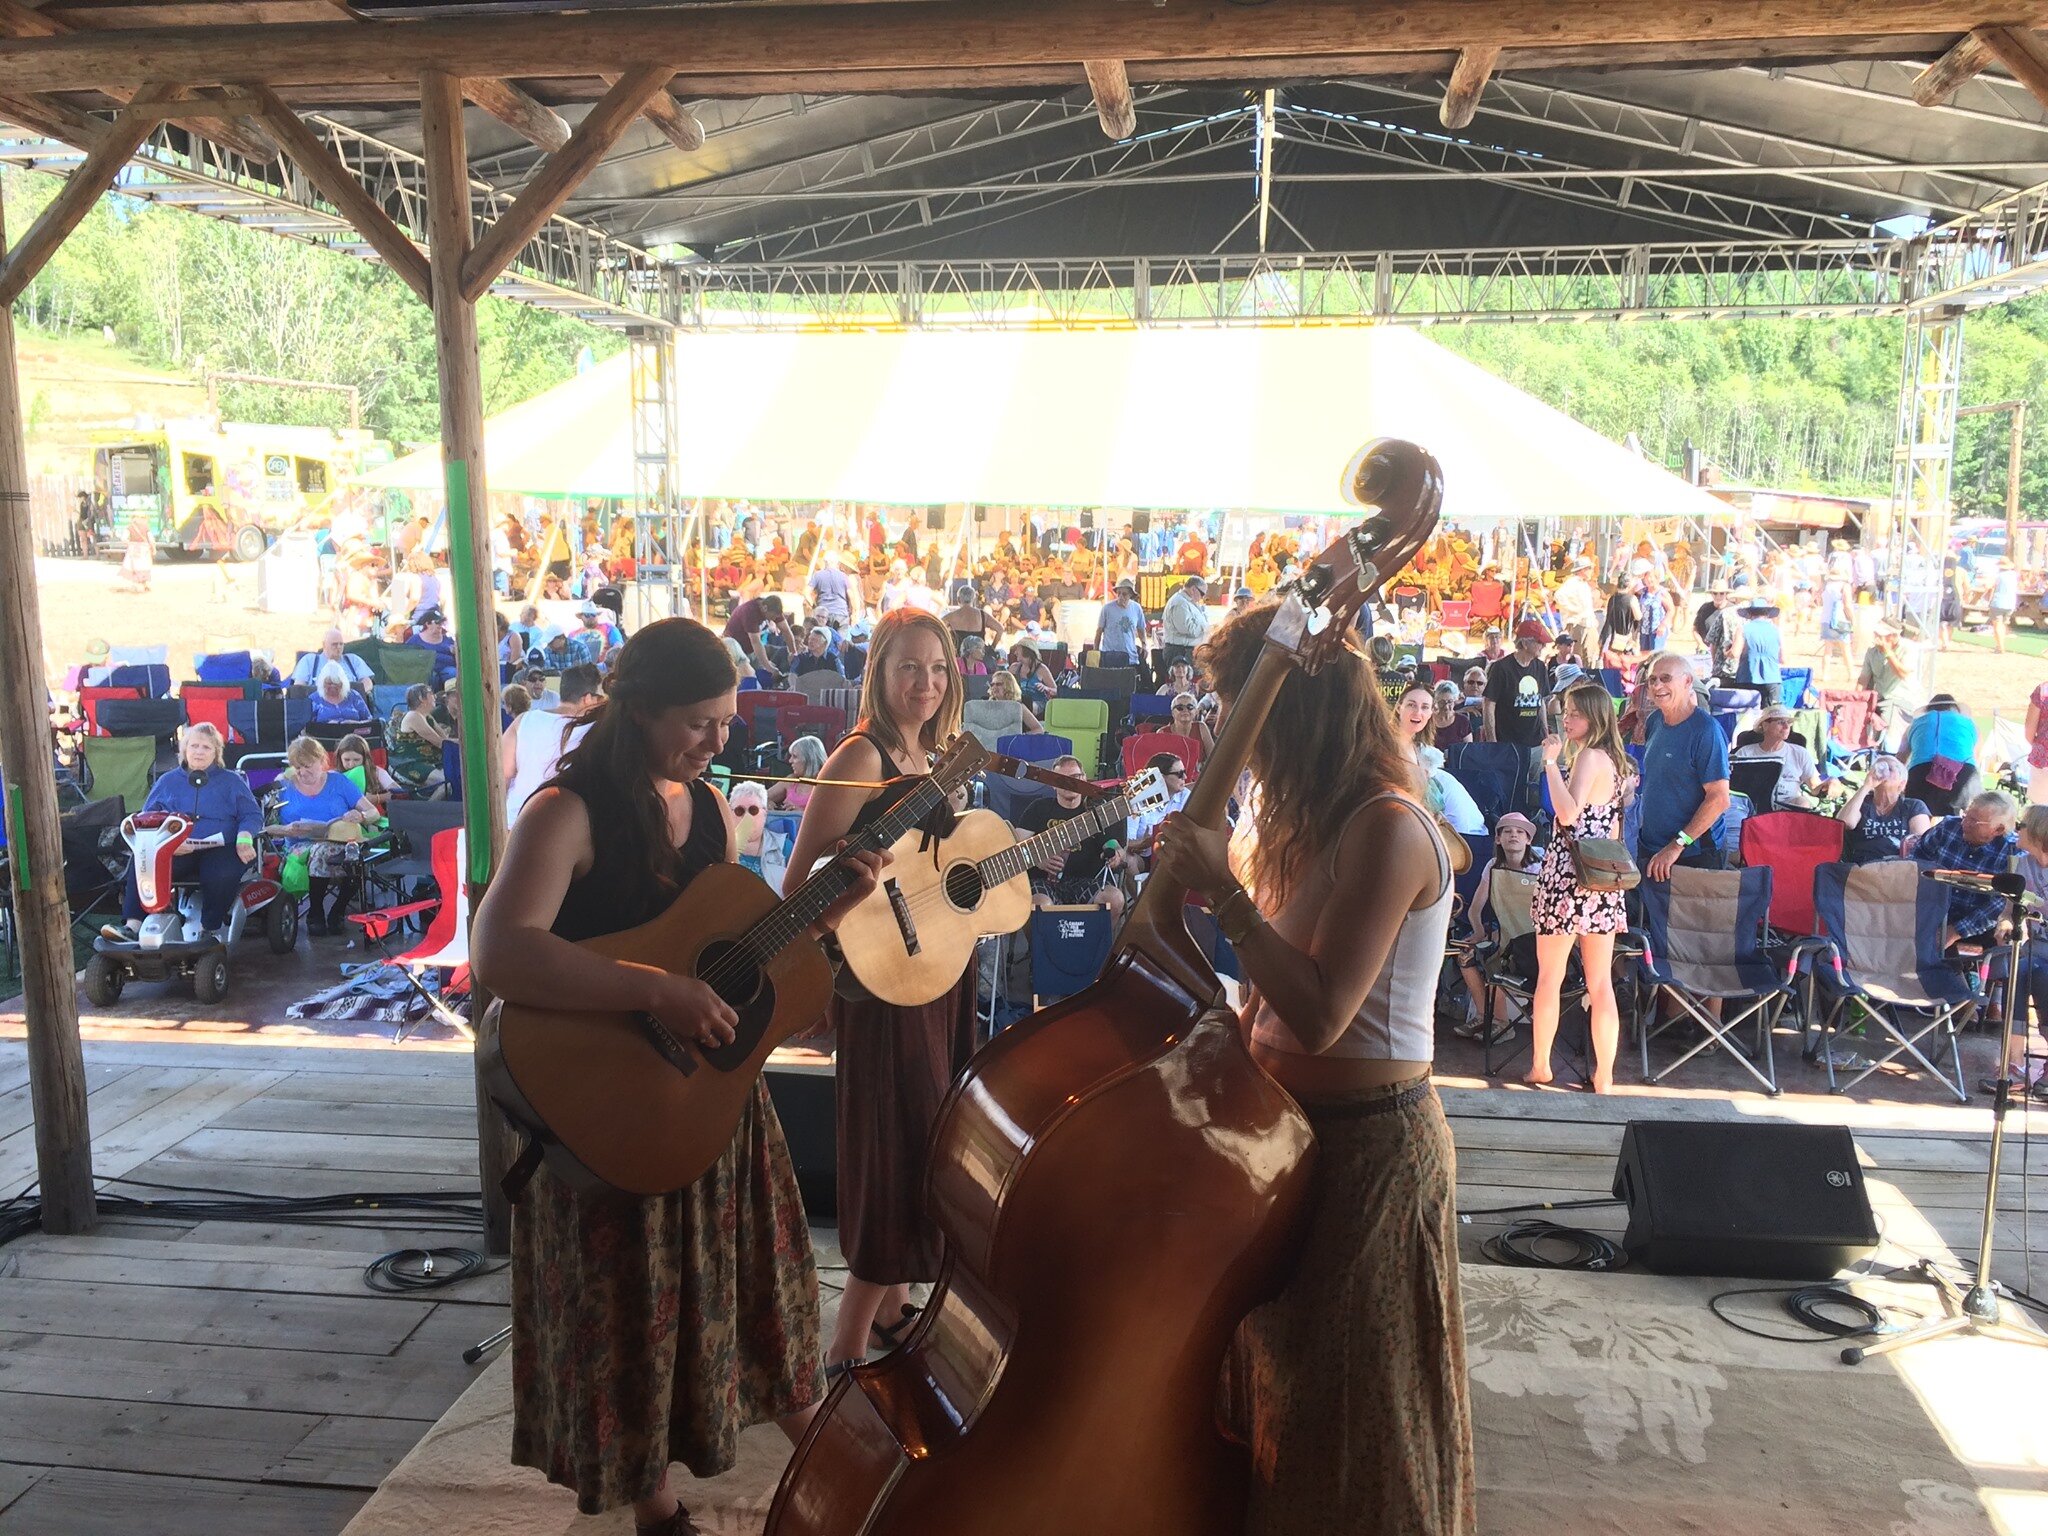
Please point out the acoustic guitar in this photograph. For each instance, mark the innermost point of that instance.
(615, 1099)
(909, 941)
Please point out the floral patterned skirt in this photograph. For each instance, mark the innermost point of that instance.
(646, 1332)
(1350, 1385)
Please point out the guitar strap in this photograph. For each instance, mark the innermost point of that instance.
(520, 1174)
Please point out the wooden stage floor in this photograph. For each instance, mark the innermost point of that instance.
(213, 1377)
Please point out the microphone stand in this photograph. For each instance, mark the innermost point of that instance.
(1975, 1311)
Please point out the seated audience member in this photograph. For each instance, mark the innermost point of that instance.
(1001, 714)
(1451, 723)
(817, 654)
(310, 792)
(1941, 730)
(1981, 840)
(513, 701)
(749, 802)
(217, 802)
(335, 703)
(1137, 855)
(1034, 678)
(1474, 700)
(1514, 848)
(1448, 798)
(531, 746)
(806, 761)
(1881, 816)
(430, 632)
(743, 665)
(1186, 719)
(973, 659)
(1684, 782)
(598, 634)
(355, 671)
(1180, 677)
(1799, 780)
(353, 757)
(1073, 878)
(413, 742)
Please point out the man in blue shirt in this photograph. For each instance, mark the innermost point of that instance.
(1685, 776)
(1979, 840)
(1120, 632)
(431, 633)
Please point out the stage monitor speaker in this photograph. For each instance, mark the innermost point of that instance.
(981, 514)
(1141, 521)
(1770, 1201)
(802, 1094)
(935, 518)
(1087, 519)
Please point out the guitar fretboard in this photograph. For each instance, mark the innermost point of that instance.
(1064, 838)
(767, 938)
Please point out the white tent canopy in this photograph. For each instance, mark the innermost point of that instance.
(1260, 420)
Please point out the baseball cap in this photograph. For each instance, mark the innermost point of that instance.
(1531, 629)
(587, 609)
(431, 616)
(1199, 581)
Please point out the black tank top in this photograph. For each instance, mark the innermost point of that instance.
(593, 905)
(898, 786)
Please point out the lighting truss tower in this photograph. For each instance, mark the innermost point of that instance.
(658, 530)
(1922, 460)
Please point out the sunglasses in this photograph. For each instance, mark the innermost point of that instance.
(746, 810)
(1175, 773)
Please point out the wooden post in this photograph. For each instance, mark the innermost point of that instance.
(2021, 52)
(1939, 80)
(462, 456)
(1110, 84)
(1468, 79)
(56, 1061)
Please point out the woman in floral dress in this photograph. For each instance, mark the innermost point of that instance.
(1589, 772)
(646, 1331)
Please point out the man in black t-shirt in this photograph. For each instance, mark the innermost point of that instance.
(1516, 686)
(1072, 879)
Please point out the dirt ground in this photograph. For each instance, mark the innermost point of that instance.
(200, 607)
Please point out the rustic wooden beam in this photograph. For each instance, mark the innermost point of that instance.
(560, 175)
(1110, 84)
(22, 21)
(56, 1059)
(677, 123)
(82, 188)
(2023, 55)
(1938, 81)
(338, 184)
(534, 121)
(1461, 97)
(449, 231)
(54, 119)
(946, 39)
(210, 111)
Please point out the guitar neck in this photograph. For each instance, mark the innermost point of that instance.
(1064, 838)
(795, 916)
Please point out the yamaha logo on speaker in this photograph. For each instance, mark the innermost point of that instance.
(1838, 1178)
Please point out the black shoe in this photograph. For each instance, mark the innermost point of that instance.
(316, 927)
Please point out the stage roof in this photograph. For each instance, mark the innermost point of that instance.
(1255, 419)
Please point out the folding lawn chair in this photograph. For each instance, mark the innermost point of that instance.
(1069, 946)
(445, 945)
(1885, 925)
(1794, 844)
(1142, 748)
(408, 858)
(1084, 722)
(1756, 777)
(1494, 773)
(1703, 938)
(121, 766)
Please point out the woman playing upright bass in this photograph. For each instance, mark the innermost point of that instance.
(1351, 1384)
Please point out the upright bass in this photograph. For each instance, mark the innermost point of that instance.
(1119, 1184)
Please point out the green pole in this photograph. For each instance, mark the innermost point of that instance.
(479, 734)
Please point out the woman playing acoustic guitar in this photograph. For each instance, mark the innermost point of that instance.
(646, 1331)
(1351, 1384)
(894, 1064)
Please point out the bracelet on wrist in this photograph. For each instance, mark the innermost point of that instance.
(1684, 840)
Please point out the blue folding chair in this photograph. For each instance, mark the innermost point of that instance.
(1467, 884)
(1793, 685)
(1151, 706)
(1494, 774)
(1703, 937)
(1040, 747)
(1069, 947)
(224, 667)
(154, 681)
(1906, 992)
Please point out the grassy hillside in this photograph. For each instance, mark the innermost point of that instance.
(74, 385)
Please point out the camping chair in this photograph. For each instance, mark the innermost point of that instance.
(819, 720)
(1069, 947)
(1854, 721)
(1084, 722)
(1757, 778)
(207, 704)
(1940, 801)
(1008, 796)
(445, 945)
(815, 685)
(1793, 686)
(90, 700)
(121, 766)
(1703, 938)
(1793, 844)
(1456, 614)
(225, 667)
(1036, 747)
(1151, 706)
(153, 680)
(1507, 963)
(403, 664)
(1885, 925)
(1116, 684)
(1494, 773)
(1139, 749)
(407, 857)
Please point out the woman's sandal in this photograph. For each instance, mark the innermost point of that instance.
(892, 1336)
(677, 1524)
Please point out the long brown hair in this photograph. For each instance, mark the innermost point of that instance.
(893, 628)
(1328, 746)
(670, 662)
(1592, 703)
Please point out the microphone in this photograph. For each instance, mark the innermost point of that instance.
(2003, 883)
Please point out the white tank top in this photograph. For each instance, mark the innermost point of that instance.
(1396, 1022)
(540, 737)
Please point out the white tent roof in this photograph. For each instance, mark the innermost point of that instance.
(1260, 420)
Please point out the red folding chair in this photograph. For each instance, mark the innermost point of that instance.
(445, 944)
(207, 704)
(1854, 720)
(1148, 744)
(754, 700)
(826, 723)
(90, 699)
(1794, 844)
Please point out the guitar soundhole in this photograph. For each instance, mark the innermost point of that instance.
(963, 887)
(737, 977)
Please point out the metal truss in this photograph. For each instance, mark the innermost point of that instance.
(1670, 281)
(1105, 164)
(1995, 254)
(1702, 141)
(569, 266)
(660, 528)
(1922, 461)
